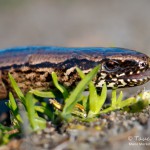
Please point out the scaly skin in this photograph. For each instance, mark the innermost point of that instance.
(32, 66)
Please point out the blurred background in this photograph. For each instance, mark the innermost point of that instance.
(120, 23)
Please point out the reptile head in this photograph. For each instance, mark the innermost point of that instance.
(126, 68)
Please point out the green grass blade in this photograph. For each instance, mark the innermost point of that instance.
(81, 74)
(85, 103)
(113, 99)
(93, 98)
(102, 97)
(45, 110)
(4, 138)
(14, 108)
(120, 97)
(16, 88)
(41, 123)
(100, 102)
(43, 94)
(29, 102)
(127, 102)
(107, 110)
(62, 89)
(73, 98)
(123, 103)
(5, 128)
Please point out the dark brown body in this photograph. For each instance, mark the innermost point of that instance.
(32, 67)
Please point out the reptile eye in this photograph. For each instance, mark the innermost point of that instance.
(142, 64)
(111, 65)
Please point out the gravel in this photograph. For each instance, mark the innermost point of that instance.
(115, 130)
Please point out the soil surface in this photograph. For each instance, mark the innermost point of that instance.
(116, 130)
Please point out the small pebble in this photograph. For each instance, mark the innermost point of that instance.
(143, 119)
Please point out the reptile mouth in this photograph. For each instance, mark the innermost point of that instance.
(143, 75)
(131, 80)
(137, 79)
